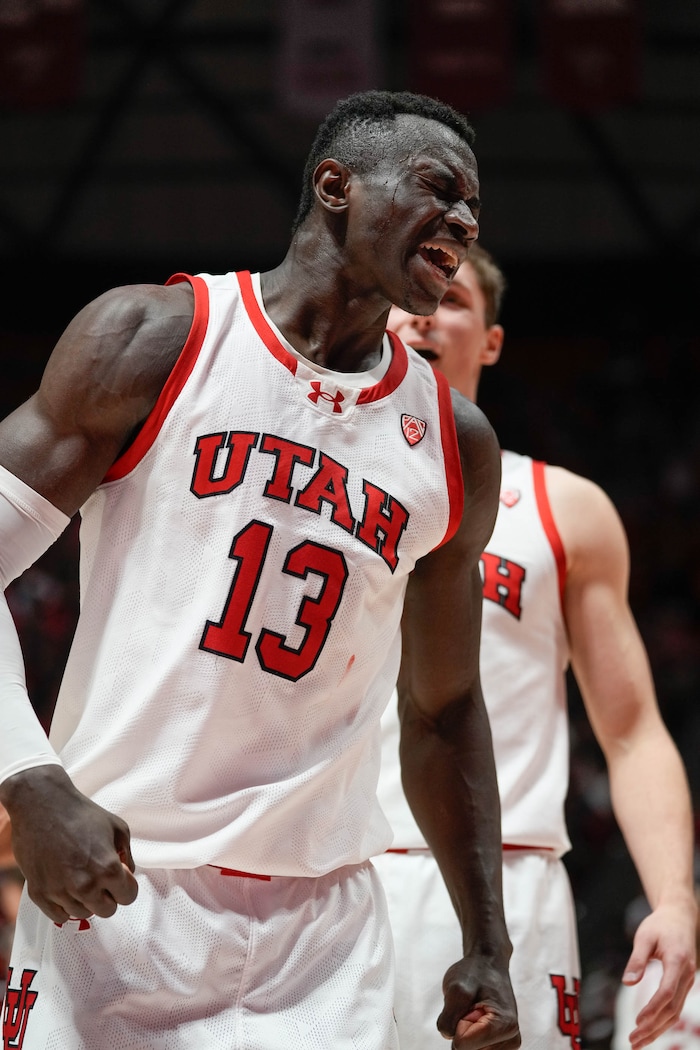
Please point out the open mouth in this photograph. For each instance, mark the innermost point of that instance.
(440, 257)
(426, 353)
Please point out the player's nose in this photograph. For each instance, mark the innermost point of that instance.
(463, 222)
(421, 323)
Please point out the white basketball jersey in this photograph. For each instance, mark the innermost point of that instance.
(243, 568)
(523, 660)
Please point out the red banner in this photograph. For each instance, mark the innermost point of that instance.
(461, 51)
(591, 52)
(328, 51)
(41, 52)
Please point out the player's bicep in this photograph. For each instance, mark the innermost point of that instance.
(607, 653)
(441, 629)
(442, 612)
(99, 384)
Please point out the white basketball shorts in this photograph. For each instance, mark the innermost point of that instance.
(545, 970)
(213, 961)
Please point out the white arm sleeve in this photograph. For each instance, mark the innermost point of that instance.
(29, 525)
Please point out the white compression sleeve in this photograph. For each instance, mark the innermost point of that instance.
(29, 525)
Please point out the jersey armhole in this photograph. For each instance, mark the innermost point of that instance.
(453, 462)
(547, 518)
(179, 375)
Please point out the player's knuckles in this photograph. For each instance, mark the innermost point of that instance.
(88, 884)
(127, 892)
(492, 1040)
(458, 1002)
(104, 907)
(52, 910)
(446, 1026)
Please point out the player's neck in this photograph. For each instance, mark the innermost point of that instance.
(319, 311)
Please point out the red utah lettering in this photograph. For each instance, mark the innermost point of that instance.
(18, 1004)
(288, 454)
(503, 582)
(328, 485)
(207, 452)
(568, 1016)
(383, 523)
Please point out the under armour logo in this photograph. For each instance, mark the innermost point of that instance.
(18, 1003)
(83, 924)
(413, 428)
(569, 1018)
(316, 393)
(509, 497)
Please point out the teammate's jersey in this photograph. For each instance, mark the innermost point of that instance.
(524, 656)
(243, 567)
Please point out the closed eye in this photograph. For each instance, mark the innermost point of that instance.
(440, 190)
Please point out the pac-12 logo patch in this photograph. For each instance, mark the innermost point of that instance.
(413, 428)
(18, 1004)
(509, 497)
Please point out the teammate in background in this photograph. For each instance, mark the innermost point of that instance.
(262, 476)
(555, 579)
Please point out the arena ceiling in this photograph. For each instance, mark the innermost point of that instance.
(178, 144)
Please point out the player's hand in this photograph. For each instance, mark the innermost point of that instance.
(74, 855)
(479, 1006)
(668, 934)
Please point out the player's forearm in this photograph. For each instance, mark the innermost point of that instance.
(649, 790)
(449, 779)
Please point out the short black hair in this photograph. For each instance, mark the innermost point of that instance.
(491, 279)
(345, 131)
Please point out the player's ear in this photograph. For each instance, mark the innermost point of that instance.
(492, 347)
(330, 182)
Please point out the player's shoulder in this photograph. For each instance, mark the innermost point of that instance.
(474, 431)
(134, 304)
(124, 342)
(128, 333)
(582, 492)
(584, 513)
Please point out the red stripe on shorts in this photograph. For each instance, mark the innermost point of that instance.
(241, 874)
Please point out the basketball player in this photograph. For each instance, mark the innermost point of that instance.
(262, 476)
(555, 577)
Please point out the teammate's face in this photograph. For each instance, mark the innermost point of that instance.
(413, 217)
(455, 339)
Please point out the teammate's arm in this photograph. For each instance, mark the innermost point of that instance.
(650, 794)
(446, 752)
(100, 382)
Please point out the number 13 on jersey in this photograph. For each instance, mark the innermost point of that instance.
(228, 637)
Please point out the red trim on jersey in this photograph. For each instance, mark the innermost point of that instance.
(241, 874)
(453, 462)
(547, 518)
(179, 375)
(507, 847)
(394, 374)
(260, 322)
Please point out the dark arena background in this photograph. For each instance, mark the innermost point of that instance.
(143, 138)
